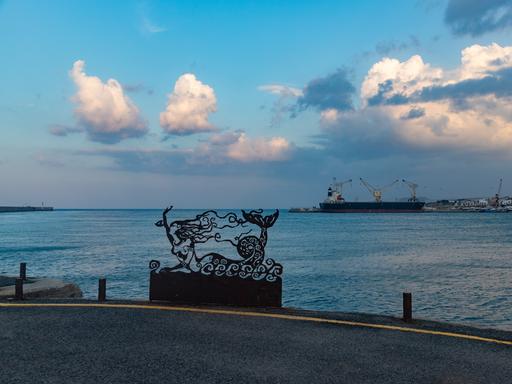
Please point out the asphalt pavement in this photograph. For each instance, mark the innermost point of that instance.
(137, 345)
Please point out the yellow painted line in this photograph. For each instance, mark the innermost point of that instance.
(262, 314)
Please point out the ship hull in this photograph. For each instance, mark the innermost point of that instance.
(372, 207)
(25, 209)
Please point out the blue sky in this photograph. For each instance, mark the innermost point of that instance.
(255, 103)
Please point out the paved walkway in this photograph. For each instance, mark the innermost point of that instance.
(148, 345)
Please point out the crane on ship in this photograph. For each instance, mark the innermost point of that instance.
(337, 186)
(377, 192)
(412, 187)
(497, 196)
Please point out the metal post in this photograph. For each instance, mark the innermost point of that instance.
(18, 289)
(23, 271)
(102, 289)
(407, 301)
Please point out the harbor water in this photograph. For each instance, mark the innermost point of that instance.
(457, 265)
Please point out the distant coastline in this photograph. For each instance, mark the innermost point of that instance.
(24, 209)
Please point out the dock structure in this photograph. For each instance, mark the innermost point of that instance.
(24, 209)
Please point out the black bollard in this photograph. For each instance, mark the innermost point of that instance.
(407, 298)
(102, 289)
(23, 271)
(18, 289)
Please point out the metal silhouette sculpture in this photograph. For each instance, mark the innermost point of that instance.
(209, 276)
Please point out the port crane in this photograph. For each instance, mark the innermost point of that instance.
(497, 196)
(337, 186)
(377, 192)
(412, 186)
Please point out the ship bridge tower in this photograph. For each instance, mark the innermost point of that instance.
(335, 191)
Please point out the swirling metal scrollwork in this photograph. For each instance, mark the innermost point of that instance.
(249, 262)
(154, 265)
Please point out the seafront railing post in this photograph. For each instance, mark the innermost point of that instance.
(23, 271)
(18, 289)
(407, 306)
(102, 289)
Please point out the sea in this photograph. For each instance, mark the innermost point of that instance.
(458, 266)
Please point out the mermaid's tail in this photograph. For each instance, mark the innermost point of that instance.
(264, 222)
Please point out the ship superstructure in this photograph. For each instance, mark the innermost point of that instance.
(335, 191)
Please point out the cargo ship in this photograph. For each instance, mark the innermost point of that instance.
(337, 204)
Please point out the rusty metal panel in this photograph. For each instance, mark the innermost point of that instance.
(195, 288)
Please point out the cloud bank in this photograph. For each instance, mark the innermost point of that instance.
(222, 153)
(188, 107)
(408, 111)
(411, 105)
(105, 112)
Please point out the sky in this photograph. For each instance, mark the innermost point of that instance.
(227, 104)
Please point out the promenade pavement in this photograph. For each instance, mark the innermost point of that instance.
(141, 345)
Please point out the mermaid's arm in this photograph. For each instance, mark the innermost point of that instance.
(166, 224)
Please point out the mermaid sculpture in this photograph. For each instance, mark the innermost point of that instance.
(249, 263)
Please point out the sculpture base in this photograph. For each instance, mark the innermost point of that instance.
(195, 288)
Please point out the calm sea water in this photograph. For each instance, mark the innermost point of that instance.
(458, 266)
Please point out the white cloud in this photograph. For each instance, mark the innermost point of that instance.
(107, 114)
(237, 146)
(188, 107)
(225, 138)
(329, 116)
(149, 27)
(477, 60)
(281, 90)
(407, 77)
(246, 149)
